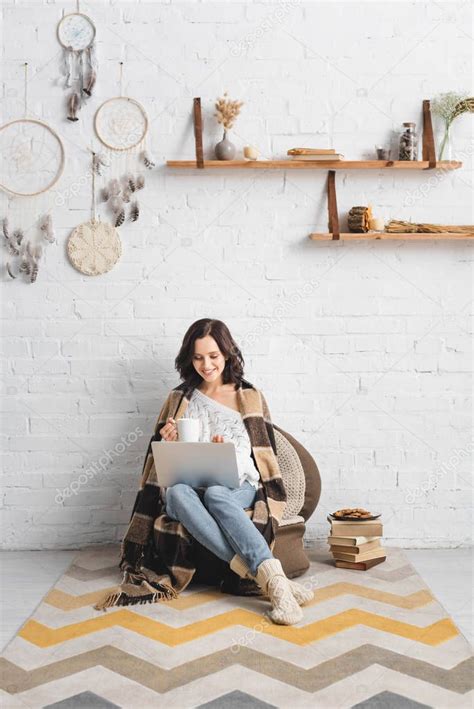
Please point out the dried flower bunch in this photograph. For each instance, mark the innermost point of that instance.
(396, 226)
(466, 105)
(227, 111)
(449, 106)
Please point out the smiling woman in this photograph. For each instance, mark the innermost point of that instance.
(210, 351)
(237, 525)
(210, 356)
(211, 365)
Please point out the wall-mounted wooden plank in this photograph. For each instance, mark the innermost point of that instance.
(413, 236)
(319, 165)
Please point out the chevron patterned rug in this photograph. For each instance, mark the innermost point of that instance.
(373, 639)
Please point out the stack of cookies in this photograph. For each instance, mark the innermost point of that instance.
(354, 539)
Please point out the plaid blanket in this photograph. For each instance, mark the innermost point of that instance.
(158, 553)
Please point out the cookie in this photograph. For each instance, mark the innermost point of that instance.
(358, 512)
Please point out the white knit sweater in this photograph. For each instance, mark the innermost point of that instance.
(216, 419)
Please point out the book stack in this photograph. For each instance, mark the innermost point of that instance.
(356, 545)
(314, 154)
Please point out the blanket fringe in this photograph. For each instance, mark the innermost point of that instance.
(121, 598)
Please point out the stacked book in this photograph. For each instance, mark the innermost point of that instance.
(324, 154)
(356, 545)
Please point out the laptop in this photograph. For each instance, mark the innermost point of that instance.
(196, 464)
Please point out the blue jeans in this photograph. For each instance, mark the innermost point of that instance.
(220, 524)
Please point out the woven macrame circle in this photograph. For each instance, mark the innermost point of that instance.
(94, 247)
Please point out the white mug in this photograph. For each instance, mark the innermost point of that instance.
(188, 430)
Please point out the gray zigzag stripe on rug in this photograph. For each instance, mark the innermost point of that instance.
(236, 700)
(458, 679)
(84, 700)
(389, 700)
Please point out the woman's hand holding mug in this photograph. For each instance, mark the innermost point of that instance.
(169, 432)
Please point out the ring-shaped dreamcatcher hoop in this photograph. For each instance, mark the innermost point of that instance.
(121, 123)
(76, 31)
(30, 154)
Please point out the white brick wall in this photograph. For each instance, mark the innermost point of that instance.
(368, 366)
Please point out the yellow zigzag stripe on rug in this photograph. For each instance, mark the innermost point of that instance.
(66, 602)
(43, 636)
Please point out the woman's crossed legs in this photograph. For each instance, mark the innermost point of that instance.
(220, 524)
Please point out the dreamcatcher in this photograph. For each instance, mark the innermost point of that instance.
(76, 34)
(94, 247)
(32, 163)
(121, 124)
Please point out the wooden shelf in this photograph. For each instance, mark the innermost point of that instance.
(428, 162)
(316, 165)
(414, 236)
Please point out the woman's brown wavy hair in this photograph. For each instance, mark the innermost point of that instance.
(234, 366)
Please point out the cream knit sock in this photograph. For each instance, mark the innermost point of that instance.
(302, 595)
(272, 580)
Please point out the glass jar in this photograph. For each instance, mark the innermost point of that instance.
(408, 146)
